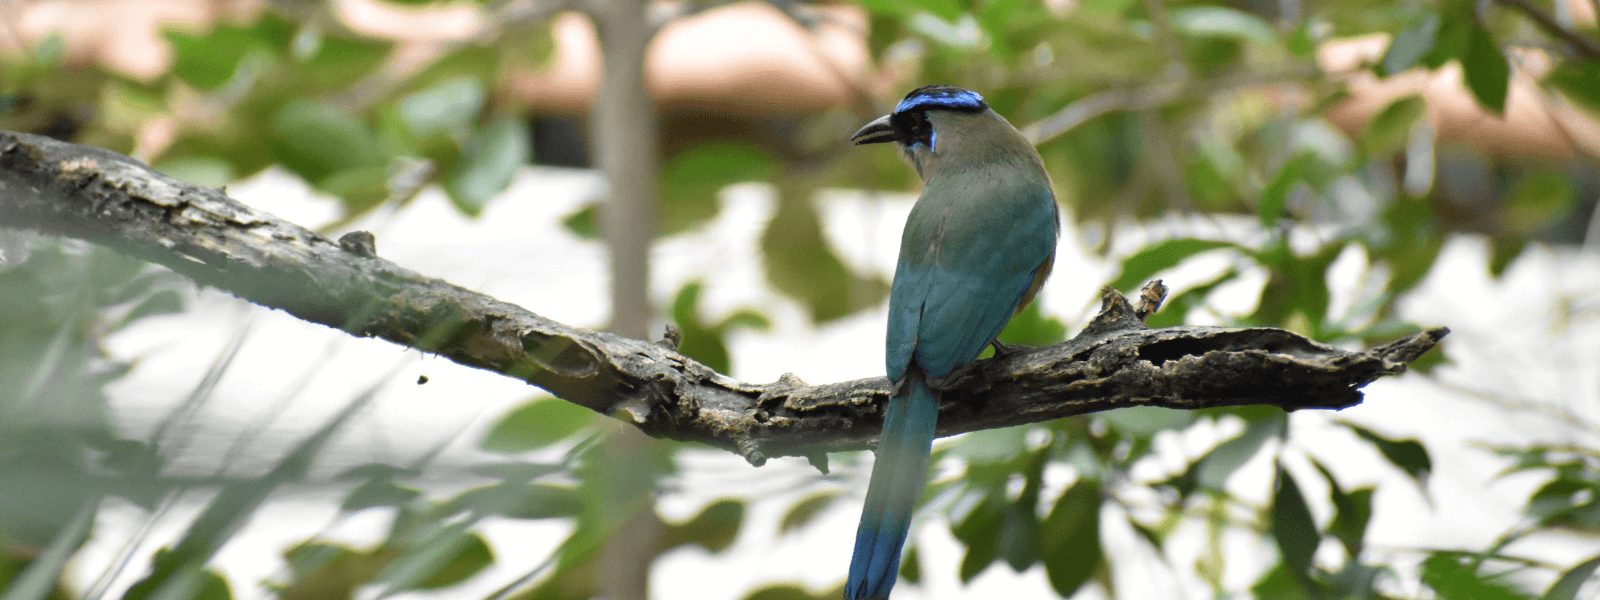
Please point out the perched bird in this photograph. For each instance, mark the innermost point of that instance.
(976, 247)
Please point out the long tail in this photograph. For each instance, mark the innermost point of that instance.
(897, 480)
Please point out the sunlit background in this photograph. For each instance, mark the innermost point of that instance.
(1351, 171)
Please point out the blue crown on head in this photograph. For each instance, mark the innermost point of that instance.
(941, 96)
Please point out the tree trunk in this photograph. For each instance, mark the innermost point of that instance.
(624, 129)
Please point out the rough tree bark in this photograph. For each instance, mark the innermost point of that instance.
(82, 192)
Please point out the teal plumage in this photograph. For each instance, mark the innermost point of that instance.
(976, 247)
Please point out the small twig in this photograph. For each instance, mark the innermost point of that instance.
(1150, 299)
(671, 337)
(1583, 46)
(1529, 562)
(1147, 97)
(1177, 63)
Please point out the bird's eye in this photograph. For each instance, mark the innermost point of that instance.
(917, 127)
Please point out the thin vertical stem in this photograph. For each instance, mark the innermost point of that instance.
(625, 127)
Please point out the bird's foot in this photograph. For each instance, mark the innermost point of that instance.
(1005, 350)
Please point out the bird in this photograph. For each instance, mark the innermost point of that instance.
(978, 244)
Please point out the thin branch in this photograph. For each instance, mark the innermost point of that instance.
(1146, 97)
(1583, 46)
(106, 198)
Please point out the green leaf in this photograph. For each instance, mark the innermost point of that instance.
(1275, 196)
(979, 531)
(1582, 517)
(513, 472)
(181, 572)
(1487, 71)
(1409, 455)
(360, 189)
(1019, 535)
(1144, 264)
(1031, 327)
(1411, 44)
(340, 61)
(39, 579)
(788, 592)
(1070, 537)
(50, 52)
(481, 62)
(199, 170)
(1279, 584)
(529, 46)
(713, 529)
(163, 302)
(534, 425)
(1293, 529)
(1000, 20)
(1571, 582)
(1303, 40)
(1390, 130)
(1218, 21)
(1146, 421)
(471, 557)
(443, 555)
(1358, 580)
(690, 181)
(1457, 19)
(806, 510)
(1409, 241)
(1579, 81)
(171, 578)
(1453, 575)
(705, 342)
(490, 160)
(1352, 513)
(1537, 200)
(1296, 293)
(989, 445)
(948, 10)
(377, 493)
(446, 108)
(910, 569)
(1503, 250)
(316, 140)
(801, 264)
(207, 61)
(323, 570)
(1216, 174)
(584, 222)
(1557, 497)
(519, 500)
(1213, 470)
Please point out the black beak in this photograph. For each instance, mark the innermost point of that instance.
(876, 132)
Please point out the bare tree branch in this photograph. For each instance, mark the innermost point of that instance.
(109, 199)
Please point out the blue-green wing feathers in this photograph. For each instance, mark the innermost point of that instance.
(965, 264)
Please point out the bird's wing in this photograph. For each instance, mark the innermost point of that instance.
(966, 261)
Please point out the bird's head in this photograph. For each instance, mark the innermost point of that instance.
(935, 121)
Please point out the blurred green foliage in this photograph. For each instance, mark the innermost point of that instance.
(1217, 112)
